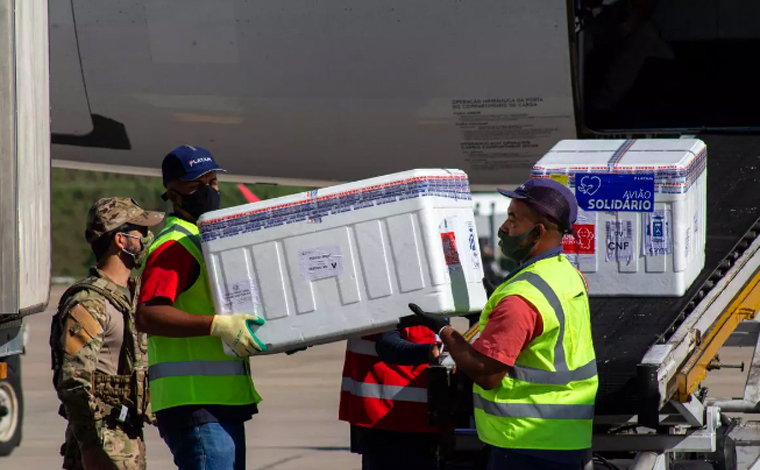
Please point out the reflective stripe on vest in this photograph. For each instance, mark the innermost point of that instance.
(190, 236)
(194, 370)
(533, 410)
(542, 403)
(547, 377)
(384, 392)
(560, 362)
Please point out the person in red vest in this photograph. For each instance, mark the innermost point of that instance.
(384, 398)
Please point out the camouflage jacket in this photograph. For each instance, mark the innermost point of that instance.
(90, 380)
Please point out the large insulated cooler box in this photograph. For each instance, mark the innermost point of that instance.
(328, 264)
(642, 212)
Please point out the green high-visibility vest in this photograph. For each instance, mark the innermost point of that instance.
(194, 371)
(546, 401)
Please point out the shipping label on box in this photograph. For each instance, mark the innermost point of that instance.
(240, 296)
(321, 263)
(619, 240)
(472, 240)
(657, 233)
(582, 245)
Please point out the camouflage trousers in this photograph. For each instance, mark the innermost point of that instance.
(126, 452)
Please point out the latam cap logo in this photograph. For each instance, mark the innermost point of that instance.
(199, 160)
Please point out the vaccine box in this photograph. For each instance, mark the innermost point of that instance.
(641, 227)
(346, 260)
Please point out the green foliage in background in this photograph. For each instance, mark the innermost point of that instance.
(74, 191)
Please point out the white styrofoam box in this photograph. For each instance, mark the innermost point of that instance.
(654, 253)
(332, 263)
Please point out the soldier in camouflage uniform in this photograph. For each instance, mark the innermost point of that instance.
(99, 359)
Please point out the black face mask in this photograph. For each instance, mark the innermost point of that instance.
(205, 199)
(514, 250)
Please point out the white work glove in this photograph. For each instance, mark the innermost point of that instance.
(237, 332)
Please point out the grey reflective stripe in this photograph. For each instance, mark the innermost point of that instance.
(361, 346)
(546, 377)
(384, 392)
(560, 362)
(533, 410)
(188, 368)
(178, 228)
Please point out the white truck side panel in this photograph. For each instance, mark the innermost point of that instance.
(326, 91)
(33, 150)
(8, 233)
(24, 157)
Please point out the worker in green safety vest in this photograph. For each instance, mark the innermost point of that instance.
(201, 396)
(533, 366)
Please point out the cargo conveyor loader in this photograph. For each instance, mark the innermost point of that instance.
(653, 353)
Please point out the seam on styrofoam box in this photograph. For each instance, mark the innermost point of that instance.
(669, 179)
(316, 207)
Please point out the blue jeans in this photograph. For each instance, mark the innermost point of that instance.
(210, 446)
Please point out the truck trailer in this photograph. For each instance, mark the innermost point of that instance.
(24, 195)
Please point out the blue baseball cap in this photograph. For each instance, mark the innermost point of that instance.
(187, 163)
(549, 198)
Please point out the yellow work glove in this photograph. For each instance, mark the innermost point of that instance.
(237, 332)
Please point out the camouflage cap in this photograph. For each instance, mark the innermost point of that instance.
(112, 212)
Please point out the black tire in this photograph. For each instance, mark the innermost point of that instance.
(12, 398)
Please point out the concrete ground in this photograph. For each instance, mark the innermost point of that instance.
(296, 429)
